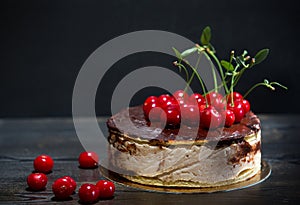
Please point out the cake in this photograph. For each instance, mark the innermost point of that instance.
(191, 139)
(166, 159)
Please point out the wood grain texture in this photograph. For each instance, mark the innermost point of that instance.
(21, 140)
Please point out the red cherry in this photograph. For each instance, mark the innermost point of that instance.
(43, 163)
(162, 99)
(88, 160)
(246, 106)
(216, 100)
(37, 181)
(166, 100)
(212, 95)
(210, 118)
(106, 188)
(229, 117)
(201, 108)
(154, 114)
(236, 97)
(181, 96)
(150, 102)
(88, 193)
(237, 109)
(190, 114)
(219, 103)
(62, 188)
(198, 98)
(72, 182)
(171, 116)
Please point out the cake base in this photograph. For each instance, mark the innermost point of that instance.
(193, 157)
(262, 175)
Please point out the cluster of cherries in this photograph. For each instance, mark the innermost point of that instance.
(64, 187)
(182, 108)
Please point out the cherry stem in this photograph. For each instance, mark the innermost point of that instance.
(219, 86)
(265, 83)
(200, 80)
(232, 83)
(241, 72)
(193, 74)
(221, 70)
(213, 72)
(180, 65)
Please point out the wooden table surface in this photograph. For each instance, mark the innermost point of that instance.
(21, 140)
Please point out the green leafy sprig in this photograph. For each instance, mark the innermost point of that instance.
(230, 71)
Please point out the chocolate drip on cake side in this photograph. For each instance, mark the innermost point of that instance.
(244, 148)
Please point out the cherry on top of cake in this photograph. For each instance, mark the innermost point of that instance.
(155, 133)
(207, 108)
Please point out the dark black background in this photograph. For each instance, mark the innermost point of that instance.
(43, 45)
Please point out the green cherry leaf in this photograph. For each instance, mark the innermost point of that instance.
(177, 53)
(261, 56)
(206, 36)
(228, 66)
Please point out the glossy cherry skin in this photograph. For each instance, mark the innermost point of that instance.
(165, 101)
(88, 193)
(216, 100)
(62, 189)
(73, 184)
(210, 118)
(190, 115)
(106, 188)
(201, 108)
(246, 105)
(229, 117)
(219, 103)
(198, 98)
(43, 163)
(164, 98)
(181, 96)
(88, 160)
(154, 114)
(236, 97)
(150, 102)
(171, 116)
(237, 109)
(212, 95)
(37, 181)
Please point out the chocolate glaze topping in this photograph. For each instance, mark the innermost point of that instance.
(132, 122)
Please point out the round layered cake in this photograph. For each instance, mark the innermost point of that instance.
(184, 156)
(189, 139)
